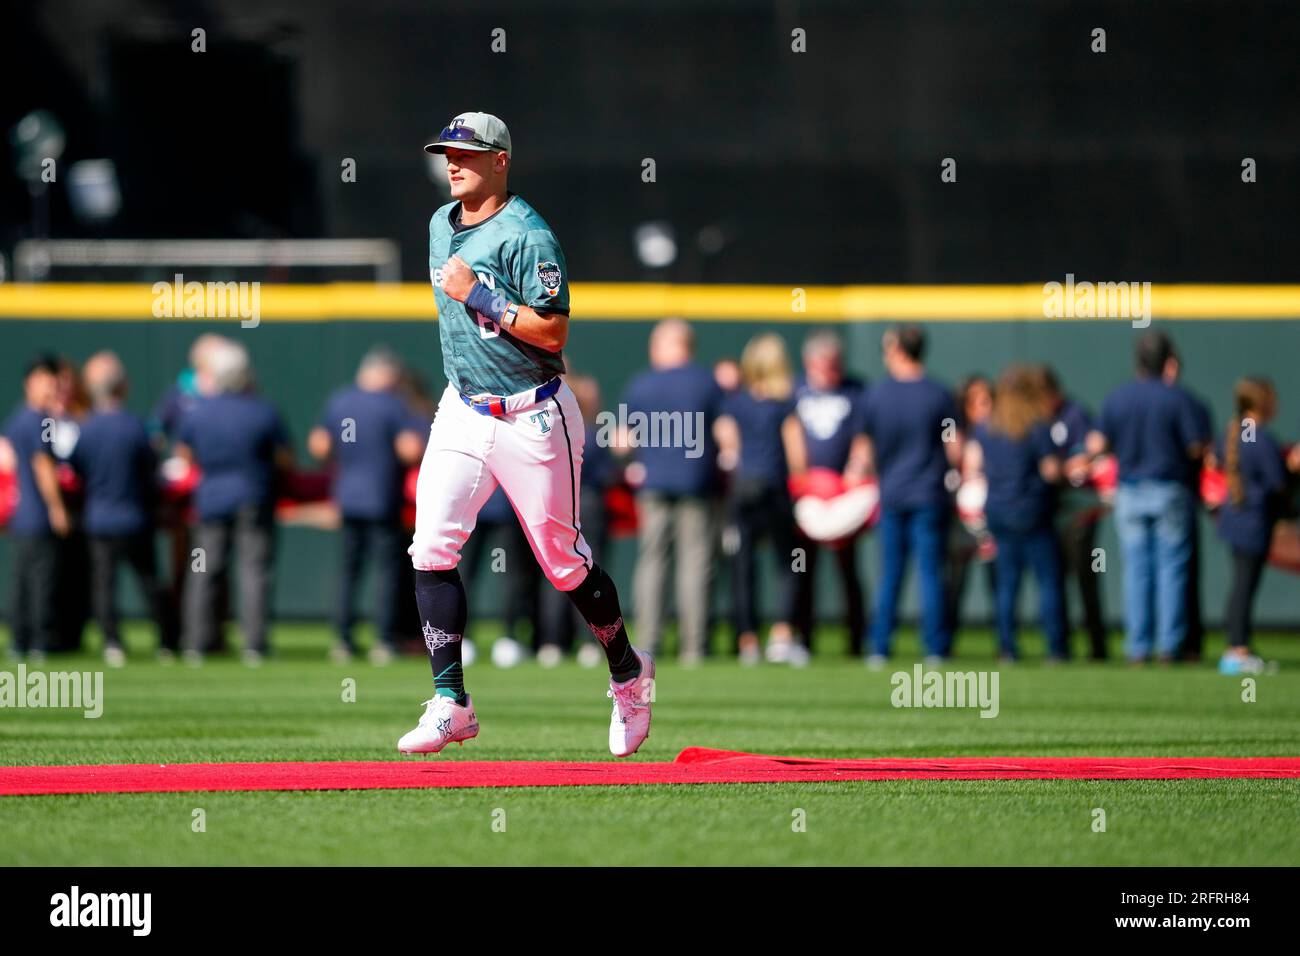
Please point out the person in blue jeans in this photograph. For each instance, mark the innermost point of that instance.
(1153, 430)
(1014, 451)
(911, 423)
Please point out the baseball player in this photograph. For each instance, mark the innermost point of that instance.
(506, 418)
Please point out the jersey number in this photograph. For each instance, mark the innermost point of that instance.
(487, 329)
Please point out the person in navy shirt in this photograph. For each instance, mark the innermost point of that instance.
(678, 492)
(1257, 482)
(1078, 507)
(499, 539)
(973, 398)
(41, 518)
(372, 436)
(760, 435)
(183, 394)
(1155, 435)
(1195, 633)
(1014, 452)
(238, 442)
(559, 618)
(164, 422)
(830, 407)
(117, 466)
(911, 422)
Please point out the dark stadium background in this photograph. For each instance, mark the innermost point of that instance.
(816, 168)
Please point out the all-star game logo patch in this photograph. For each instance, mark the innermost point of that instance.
(548, 274)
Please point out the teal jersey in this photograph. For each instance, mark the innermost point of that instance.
(514, 253)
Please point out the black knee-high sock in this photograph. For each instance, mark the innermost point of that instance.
(597, 602)
(443, 611)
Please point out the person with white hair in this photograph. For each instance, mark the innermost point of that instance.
(183, 394)
(679, 494)
(237, 440)
(830, 406)
(117, 466)
(372, 436)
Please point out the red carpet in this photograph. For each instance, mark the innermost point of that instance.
(693, 765)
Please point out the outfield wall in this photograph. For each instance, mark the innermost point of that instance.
(300, 357)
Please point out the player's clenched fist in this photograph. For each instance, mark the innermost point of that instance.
(457, 278)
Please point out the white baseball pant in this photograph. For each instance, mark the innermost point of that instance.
(535, 454)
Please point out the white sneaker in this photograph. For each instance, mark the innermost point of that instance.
(468, 652)
(380, 655)
(549, 655)
(114, 656)
(442, 722)
(787, 652)
(629, 725)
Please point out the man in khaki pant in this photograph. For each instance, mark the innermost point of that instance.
(671, 408)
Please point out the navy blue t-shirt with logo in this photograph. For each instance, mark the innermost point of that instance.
(1069, 429)
(762, 452)
(906, 422)
(672, 469)
(24, 430)
(1019, 499)
(1068, 432)
(233, 438)
(116, 463)
(831, 418)
(362, 426)
(1248, 527)
(1150, 426)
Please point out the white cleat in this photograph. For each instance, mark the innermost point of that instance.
(442, 722)
(629, 725)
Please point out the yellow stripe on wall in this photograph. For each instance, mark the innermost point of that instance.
(648, 301)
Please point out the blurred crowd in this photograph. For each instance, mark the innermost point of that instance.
(992, 480)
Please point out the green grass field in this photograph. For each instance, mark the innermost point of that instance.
(292, 709)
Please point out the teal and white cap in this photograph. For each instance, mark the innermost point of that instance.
(477, 131)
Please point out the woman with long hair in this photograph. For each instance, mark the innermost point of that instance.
(762, 440)
(974, 398)
(1015, 453)
(1256, 477)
